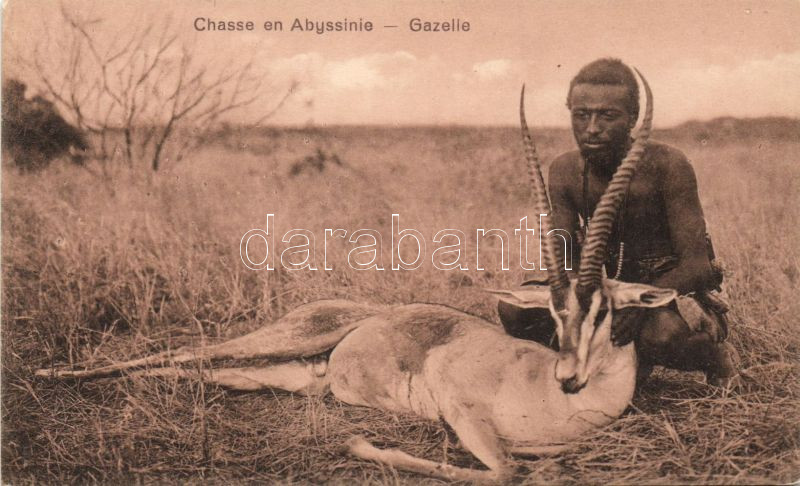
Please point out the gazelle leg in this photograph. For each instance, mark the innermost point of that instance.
(302, 377)
(181, 355)
(239, 348)
(360, 447)
(307, 331)
(155, 359)
(475, 435)
(478, 436)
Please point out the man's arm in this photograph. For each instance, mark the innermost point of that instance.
(687, 228)
(564, 213)
(688, 236)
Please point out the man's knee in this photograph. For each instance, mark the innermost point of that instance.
(666, 339)
(663, 328)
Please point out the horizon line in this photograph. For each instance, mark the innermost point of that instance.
(492, 125)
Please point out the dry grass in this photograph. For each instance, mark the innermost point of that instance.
(94, 273)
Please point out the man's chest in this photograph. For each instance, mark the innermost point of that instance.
(643, 200)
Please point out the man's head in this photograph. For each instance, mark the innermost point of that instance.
(603, 100)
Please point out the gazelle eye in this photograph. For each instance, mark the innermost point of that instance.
(601, 315)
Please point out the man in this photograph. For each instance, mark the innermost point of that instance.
(660, 232)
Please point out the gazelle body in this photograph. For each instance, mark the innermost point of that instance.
(501, 395)
(438, 362)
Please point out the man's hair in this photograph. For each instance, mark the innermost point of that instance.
(609, 71)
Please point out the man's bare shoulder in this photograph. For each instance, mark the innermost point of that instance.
(665, 158)
(566, 164)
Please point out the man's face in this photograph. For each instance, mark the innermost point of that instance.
(600, 121)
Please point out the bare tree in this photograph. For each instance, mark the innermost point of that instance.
(142, 96)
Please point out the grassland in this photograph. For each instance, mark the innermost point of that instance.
(105, 270)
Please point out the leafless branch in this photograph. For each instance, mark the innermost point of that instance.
(141, 91)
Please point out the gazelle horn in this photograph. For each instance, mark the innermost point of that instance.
(553, 259)
(606, 212)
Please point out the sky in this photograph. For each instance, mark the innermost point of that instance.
(703, 59)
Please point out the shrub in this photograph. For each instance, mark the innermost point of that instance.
(34, 133)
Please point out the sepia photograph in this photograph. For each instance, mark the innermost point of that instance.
(522, 241)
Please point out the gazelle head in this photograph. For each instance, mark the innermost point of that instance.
(583, 308)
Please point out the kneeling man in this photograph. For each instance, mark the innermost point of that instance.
(660, 236)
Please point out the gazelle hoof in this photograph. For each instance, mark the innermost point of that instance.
(727, 383)
(47, 373)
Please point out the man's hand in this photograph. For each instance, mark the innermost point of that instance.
(625, 325)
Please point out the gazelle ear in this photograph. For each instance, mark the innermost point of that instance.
(625, 294)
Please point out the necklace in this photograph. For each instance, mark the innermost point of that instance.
(620, 220)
